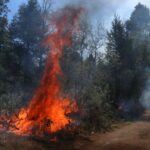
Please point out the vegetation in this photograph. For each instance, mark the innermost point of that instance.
(107, 85)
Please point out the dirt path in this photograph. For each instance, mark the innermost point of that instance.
(135, 136)
(132, 136)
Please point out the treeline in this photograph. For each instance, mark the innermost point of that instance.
(22, 54)
(105, 71)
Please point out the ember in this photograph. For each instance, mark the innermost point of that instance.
(48, 110)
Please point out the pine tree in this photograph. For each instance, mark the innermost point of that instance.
(3, 23)
(139, 22)
(121, 59)
(4, 43)
(27, 31)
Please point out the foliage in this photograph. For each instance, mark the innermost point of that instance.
(27, 31)
(104, 84)
(96, 103)
(138, 24)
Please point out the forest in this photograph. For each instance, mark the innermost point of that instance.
(105, 71)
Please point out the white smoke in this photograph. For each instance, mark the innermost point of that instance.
(145, 98)
(96, 10)
(103, 10)
(105, 7)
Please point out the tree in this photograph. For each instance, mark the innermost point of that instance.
(79, 61)
(46, 10)
(126, 70)
(3, 23)
(96, 102)
(138, 27)
(120, 57)
(4, 43)
(139, 22)
(96, 39)
(27, 30)
(27, 25)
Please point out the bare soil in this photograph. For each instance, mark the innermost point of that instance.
(129, 136)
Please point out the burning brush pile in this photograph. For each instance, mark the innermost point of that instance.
(48, 111)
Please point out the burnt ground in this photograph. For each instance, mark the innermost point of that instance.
(129, 136)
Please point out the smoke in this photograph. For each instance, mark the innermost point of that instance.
(93, 5)
(95, 8)
(103, 10)
(145, 98)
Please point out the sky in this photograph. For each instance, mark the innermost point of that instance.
(105, 9)
(13, 6)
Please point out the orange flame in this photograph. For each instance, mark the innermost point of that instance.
(48, 110)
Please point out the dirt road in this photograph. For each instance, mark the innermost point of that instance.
(131, 136)
(134, 136)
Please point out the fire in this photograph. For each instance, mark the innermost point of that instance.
(48, 110)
